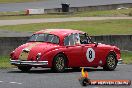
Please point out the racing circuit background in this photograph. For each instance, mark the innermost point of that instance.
(7, 44)
(45, 78)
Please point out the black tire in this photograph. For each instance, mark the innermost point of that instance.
(111, 63)
(59, 63)
(24, 68)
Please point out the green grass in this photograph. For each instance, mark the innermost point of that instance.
(102, 27)
(15, 13)
(127, 57)
(17, 1)
(5, 60)
(122, 12)
(20, 15)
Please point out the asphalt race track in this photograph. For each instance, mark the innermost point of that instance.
(44, 78)
(57, 4)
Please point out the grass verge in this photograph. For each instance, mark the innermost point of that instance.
(5, 63)
(127, 57)
(110, 13)
(102, 27)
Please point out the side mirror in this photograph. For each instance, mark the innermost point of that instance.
(96, 44)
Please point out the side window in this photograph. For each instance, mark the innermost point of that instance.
(40, 37)
(52, 38)
(55, 40)
(73, 39)
(66, 40)
(84, 39)
(77, 38)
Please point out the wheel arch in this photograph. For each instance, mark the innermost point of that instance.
(113, 53)
(107, 66)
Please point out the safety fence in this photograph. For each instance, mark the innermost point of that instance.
(124, 42)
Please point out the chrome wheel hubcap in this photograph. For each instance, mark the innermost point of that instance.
(111, 61)
(60, 63)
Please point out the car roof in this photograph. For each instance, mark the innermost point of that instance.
(59, 32)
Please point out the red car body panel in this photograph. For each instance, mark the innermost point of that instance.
(75, 54)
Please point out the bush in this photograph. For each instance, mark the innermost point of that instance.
(130, 13)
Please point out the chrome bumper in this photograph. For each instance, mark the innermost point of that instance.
(120, 61)
(33, 63)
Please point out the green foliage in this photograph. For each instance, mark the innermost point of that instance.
(4, 62)
(130, 13)
(121, 12)
(127, 57)
(106, 13)
(102, 27)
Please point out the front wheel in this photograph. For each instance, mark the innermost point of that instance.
(111, 63)
(24, 68)
(59, 63)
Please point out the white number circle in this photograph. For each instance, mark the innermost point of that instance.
(90, 54)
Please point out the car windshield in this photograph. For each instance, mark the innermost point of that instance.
(44, 38)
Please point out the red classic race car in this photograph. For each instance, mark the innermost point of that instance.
(59, 49)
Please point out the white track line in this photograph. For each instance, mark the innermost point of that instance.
(10, 82)
(19, 83)
(1, 81)
(15, 83)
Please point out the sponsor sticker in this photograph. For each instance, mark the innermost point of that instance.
(85, 81)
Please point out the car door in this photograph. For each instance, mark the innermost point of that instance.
(91, 52)
(73, 50)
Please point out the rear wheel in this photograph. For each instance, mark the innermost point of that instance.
(24, 68)
(111, 63)
(59, 63)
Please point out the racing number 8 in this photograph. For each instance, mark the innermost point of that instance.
(90, 54)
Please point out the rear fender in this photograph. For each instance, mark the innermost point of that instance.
(49, 56)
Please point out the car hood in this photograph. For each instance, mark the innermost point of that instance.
(106, 46)
(31, 49)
